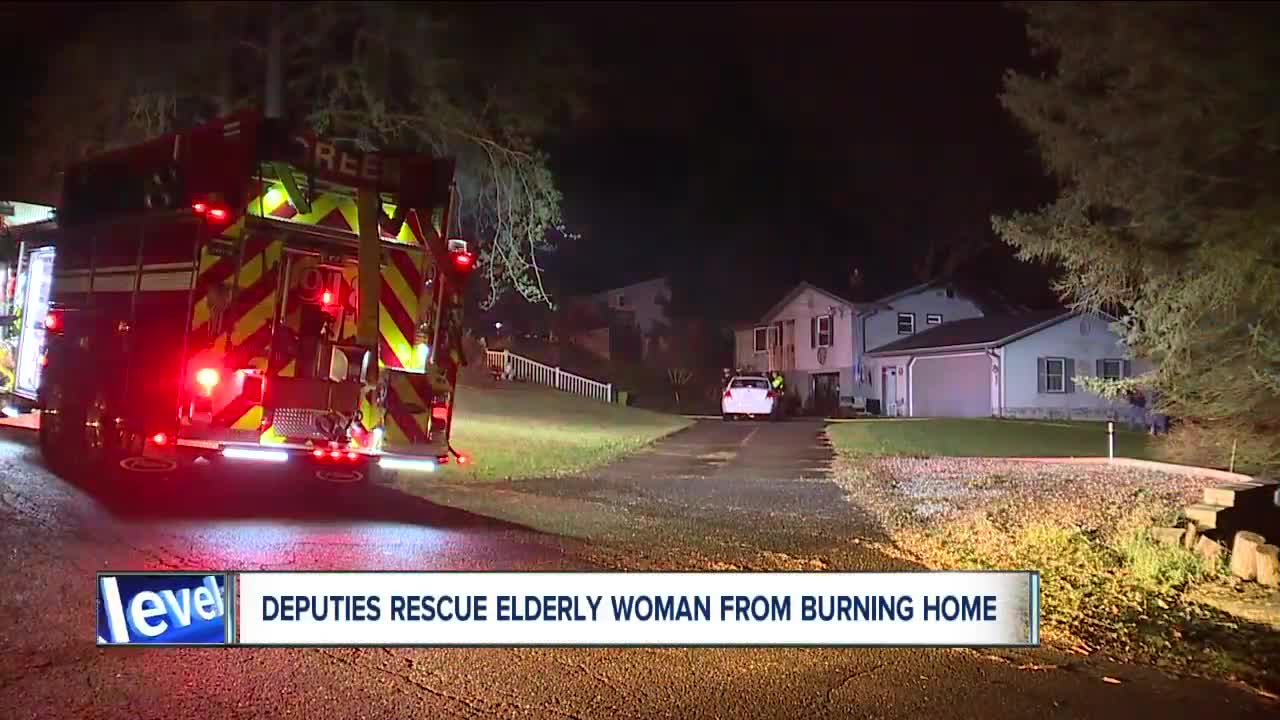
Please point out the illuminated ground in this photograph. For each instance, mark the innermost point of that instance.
(54, 536)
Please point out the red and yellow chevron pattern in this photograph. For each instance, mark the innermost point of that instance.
(238, 291)
(408, 413)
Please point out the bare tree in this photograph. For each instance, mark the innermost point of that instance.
(679, 377)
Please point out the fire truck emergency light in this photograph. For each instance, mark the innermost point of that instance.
(464, 260)
(208, 379)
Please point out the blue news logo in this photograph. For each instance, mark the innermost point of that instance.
(165, 608)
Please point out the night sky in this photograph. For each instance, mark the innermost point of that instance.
(744, 147)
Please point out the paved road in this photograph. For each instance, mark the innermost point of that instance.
(54, 536)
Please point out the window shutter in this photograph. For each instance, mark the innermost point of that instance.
(1127, 369)
(1068, 375)
(1041, 373)
(813, 332)
(832, 323)
(1100, 367)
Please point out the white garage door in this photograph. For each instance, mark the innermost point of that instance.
(957, 386)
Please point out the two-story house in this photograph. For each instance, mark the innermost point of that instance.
(639, 307)
(820, 340)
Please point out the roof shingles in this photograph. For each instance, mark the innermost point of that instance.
(986, 331)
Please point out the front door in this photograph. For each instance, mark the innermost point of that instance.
(889, 392)
(826, 393)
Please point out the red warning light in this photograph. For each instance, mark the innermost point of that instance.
(217, 213)
(160, 439)
(208, 379)
(464, 260)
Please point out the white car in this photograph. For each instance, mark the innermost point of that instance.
(749, 396)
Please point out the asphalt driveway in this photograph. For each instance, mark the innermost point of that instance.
(760, 485)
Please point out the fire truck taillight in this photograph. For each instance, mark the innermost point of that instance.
(160, 439)
(208, 379)
(215, 212)
(321, 454)
(440, 412)
(53, 322)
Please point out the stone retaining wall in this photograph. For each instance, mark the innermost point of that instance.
(1133, 417)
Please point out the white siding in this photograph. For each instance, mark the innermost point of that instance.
(899, 399)
(744, 354)
(882, 327)
(1020, 370)
(810, 304)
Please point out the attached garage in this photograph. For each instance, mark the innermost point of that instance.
(1015, 365)
(950, 386)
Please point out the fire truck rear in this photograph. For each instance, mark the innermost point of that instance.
(241, 293)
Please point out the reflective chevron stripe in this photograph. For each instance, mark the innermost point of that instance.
(236, 295)
(234, 302)
(408, 413)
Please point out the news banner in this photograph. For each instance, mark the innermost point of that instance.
(474, 609)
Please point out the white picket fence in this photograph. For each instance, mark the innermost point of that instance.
(523, 369)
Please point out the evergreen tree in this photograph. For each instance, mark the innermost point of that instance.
(1161, 123)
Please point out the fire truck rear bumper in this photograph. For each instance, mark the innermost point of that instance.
(187, 450)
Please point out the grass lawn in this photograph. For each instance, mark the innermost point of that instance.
(518, 431)
(981, 437)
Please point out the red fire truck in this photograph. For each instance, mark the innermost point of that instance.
(243, 293)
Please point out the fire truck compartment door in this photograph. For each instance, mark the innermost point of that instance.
(34, 308)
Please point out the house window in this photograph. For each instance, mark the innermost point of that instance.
(824, 331)
(906, 323)
(1111, 369)
(933, 319)
(762, 339)
(1055, 375)
(622, 301)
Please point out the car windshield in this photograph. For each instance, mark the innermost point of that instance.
(753, 383)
